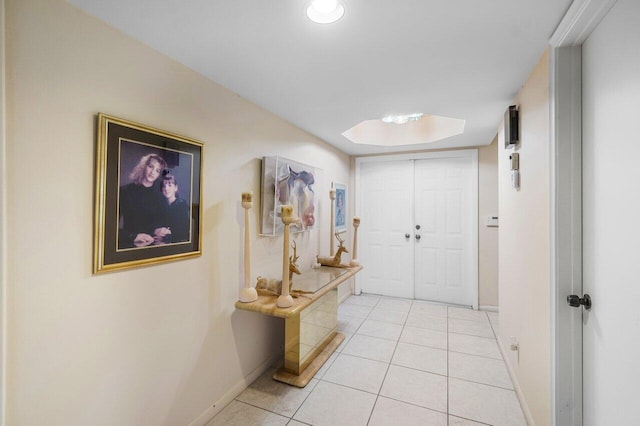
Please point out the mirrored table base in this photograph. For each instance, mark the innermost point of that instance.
(310, 324)
(301, 380)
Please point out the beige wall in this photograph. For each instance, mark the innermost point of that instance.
(156, 345)
(524, 260)
(487, 236)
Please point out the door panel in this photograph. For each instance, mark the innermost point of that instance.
(611, 213)
(387, 215)
(443, 255)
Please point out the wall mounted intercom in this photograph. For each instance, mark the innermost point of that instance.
(514, 161)
(511, 126)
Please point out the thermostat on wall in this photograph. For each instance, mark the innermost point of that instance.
(492, 221)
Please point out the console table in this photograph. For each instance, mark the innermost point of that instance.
(310, 324)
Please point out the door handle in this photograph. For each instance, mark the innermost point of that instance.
(407, 236)
(418, 237)
(576, 301)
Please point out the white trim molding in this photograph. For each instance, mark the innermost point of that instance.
(566, 234)
(3, 218)
(582, 17)
(565, 68)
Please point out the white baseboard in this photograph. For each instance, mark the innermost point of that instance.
(516, 384)
(232, 393)
(488, 308)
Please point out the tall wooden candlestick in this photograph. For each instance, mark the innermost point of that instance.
(248, 293)
(285, 300)
(332, 196)
(354, 257)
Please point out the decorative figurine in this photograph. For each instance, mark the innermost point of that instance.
(293, 265)
(354, 257)
(272, 287)
(248, 293)
(268, 286)
(334, 261)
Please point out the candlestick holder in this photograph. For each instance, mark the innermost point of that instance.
(248, 293)
(285, 300)
(354, 257)
(332, 197)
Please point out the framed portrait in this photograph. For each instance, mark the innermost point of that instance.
(148, 202)
(286, 181)
(340, 207)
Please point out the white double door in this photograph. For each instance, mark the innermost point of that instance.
(418, 235)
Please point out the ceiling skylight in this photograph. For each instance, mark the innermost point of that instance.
(415, 129)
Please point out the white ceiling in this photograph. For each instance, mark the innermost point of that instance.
(463, 59)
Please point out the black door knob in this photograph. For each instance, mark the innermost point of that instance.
(418, 237)
(407, 235)
(576, 301)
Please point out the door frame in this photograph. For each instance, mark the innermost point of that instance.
(460, 153)
(565, 100)
(3, 217)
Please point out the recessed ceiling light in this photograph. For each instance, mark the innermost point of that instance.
(325, 11)
(401, 119)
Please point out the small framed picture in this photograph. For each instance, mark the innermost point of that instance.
(148, 196)
(340, 207)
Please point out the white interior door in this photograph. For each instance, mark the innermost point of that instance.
(386, 211)
(437, 262)
(444, 261)
(611, 217)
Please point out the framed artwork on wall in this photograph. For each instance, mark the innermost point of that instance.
(340, 207)
(287, 182)
(148, 206)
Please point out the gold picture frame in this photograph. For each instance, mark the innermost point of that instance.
(148, 200)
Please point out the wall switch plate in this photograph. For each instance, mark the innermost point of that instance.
(492, 221)
(514, 346)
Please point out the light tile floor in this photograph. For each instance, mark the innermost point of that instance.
(403, 362)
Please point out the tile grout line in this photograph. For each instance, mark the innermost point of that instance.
(483, 384)
(388, 366)
(480, 356)
(383, 379)
(417, 405)
(475, 335)
(448, 350)
(309, 394)
(259, 408)
(389, 363)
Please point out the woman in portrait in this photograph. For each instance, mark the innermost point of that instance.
(142, 205)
